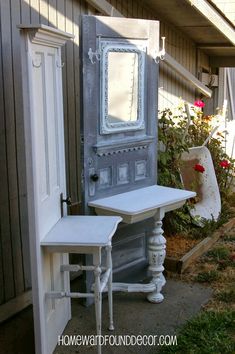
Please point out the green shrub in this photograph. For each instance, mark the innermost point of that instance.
(207, 276)
(219, 253)
(175, 136)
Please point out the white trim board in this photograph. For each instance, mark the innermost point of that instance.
(104, 7)
(230, 92)
(215, 18)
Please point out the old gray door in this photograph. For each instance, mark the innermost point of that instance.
(119, 78)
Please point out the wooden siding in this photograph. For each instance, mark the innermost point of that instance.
(65, 15)
(14, 245)
(171, 85)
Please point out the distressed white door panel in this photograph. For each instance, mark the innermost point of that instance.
(49, 168)
(47, 129)
(44, 130)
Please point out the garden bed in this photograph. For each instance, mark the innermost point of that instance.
(182, 251)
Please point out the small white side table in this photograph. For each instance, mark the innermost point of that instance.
(138, 205)
(85, 235)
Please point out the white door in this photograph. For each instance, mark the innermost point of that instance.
(46, 182)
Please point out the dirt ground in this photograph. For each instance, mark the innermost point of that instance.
(215, 269)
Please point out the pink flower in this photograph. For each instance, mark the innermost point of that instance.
(199, 168)
(199, 104)
(224, 163)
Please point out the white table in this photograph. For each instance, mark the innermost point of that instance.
(80, 231)
(85, 235)
(138, 205)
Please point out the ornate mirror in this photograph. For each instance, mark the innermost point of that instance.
(122, 87)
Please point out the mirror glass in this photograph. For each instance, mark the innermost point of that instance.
(122, 73)
(122, 87)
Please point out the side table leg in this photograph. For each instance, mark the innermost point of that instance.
(97, 290)
(157, 253)
(110, 291)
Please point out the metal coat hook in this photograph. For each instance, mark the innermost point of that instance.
(36, 64)
(161, 54)
(59, 65)
(96, 54)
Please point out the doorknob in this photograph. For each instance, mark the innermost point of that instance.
(94, 177)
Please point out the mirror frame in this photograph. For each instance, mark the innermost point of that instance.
(105, 126)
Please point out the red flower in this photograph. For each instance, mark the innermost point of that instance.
(199, 168)
(224, 163)
(199, 104)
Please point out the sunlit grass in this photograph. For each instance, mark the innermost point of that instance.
(210, 332)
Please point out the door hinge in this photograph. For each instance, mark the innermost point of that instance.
(62, 201)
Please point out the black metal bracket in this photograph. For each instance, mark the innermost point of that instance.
(62, 201)
(68, 201)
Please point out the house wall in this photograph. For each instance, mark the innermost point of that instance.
(15, 276)
(171, 85)
(65, 15)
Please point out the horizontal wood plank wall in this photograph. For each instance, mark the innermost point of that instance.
(171, 85)
(14, 244)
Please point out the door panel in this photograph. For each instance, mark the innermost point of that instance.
(119, 123)
(48, 169)
(119, 77)
(48, 164)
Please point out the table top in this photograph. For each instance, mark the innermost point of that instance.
(82, 231)
(142, 200)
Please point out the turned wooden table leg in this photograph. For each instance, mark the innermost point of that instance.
(157, 253)
(110, 291)
(98, 294)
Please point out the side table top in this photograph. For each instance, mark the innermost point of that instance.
(82, 231)
(141, 201)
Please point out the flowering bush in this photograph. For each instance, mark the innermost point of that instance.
(175, 137)
(198, 132)
(171, 146)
